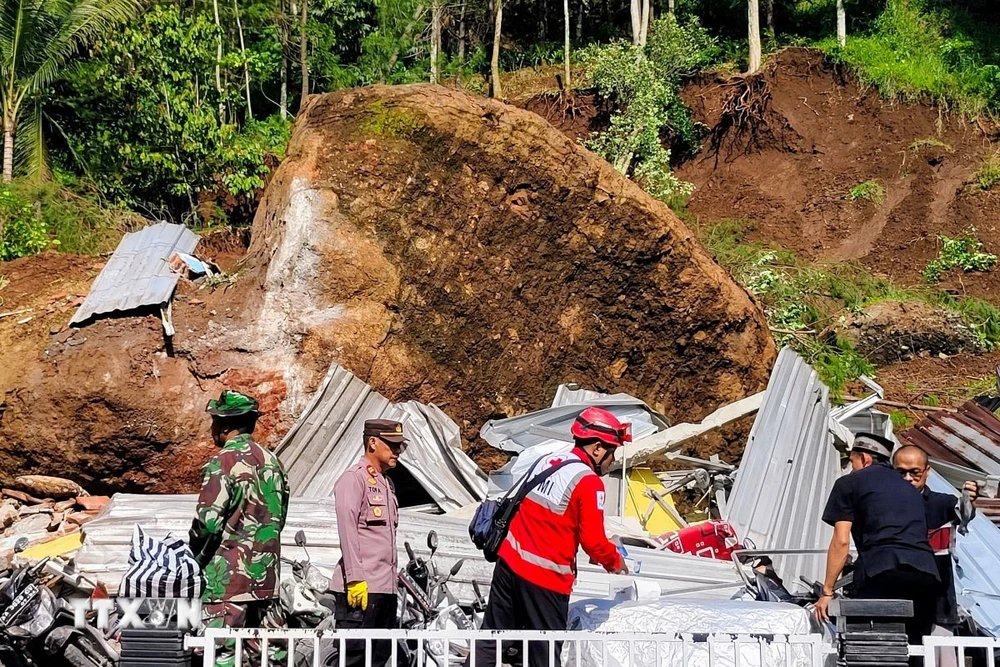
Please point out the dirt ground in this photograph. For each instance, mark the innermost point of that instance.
(105, 404)
(823, 136)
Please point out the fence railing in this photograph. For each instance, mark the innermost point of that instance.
(450, 648)
(944, 651)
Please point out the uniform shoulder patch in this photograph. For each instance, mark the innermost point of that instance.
(600, 500)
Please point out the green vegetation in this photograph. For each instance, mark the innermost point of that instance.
(644, 85)
(989, 174)
(919, 50)
(964, 253)
(901, 420)
(224, 280)
(803, 303)
(929, 142)
(868, 191)
(24, 233)
(386, 122)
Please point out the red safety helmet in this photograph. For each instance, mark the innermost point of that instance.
(598, 424)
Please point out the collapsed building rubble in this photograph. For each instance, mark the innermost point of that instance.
(767, 528)
(434, 472)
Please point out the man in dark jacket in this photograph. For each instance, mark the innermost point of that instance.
(941, 512)
(885, 516)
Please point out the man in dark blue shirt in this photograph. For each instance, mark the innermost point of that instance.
(941, 512)
(885, 516)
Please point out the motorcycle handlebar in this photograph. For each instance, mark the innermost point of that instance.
(409, 551)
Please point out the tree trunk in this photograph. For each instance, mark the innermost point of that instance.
(543, 19)
(304, 53)
(636, 15)
(579, 23)
(566, 22)
(753, 16)
(644, 23)
(243, 53)
(435, 39)
(495, 89)
(769, 13)
(8, 155)
(461, 35)
(406, 37)
(670, 6)
(218, 62)
(841, 24)
(283, 38)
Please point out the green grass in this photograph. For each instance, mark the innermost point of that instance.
(989, 174)
(872, 191)
(802, 301)
(964, 253)
(901, 420)
(913, 52)
(930, 142)
(77, 223)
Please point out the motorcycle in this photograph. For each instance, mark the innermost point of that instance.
(426, 602)
(305, 600)
(36, 628)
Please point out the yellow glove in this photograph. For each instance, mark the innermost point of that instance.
(357, 594)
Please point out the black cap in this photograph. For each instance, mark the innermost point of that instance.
(387, 429)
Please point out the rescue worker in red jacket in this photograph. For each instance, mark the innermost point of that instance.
(536, 567)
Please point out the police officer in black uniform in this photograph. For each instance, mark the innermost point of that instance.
(885, 516)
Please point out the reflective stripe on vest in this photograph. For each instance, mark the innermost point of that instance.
(535, 559)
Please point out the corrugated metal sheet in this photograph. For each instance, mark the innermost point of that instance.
(137, 274)
(977, 564)
(989, 508)
(327, 440)
(104, 556)
(787, 471)
(515, 434)
(969, 437)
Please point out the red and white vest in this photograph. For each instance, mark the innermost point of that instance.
(555, 519)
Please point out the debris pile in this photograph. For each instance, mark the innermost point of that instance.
(49, 508)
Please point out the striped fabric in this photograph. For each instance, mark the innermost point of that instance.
(161, 569)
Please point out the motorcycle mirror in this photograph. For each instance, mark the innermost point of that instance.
(21, 545)
(300, 538)
(456, 567)
(432, 541)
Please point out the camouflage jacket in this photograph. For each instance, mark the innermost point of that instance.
(241, 512)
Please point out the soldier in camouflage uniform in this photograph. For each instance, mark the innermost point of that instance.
(236, 533)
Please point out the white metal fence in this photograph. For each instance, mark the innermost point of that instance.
(946, 651)
(433, 648)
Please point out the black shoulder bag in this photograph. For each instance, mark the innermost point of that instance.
(492, 520)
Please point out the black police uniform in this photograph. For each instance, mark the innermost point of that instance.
(941, 511)
(889, 528)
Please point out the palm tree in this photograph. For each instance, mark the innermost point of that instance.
(38, 39)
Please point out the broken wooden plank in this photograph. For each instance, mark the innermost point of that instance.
(675, 436)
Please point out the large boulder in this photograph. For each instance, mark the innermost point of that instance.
(460, 251)
(444, 248)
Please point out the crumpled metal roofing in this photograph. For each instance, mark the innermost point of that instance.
(976, 565)
(969, 437)
(515, 434)
(106, 540)
(787, 471)
(327, 440)
(137, 274)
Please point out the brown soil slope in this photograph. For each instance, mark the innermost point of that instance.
(444, 248)
(823, 136)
